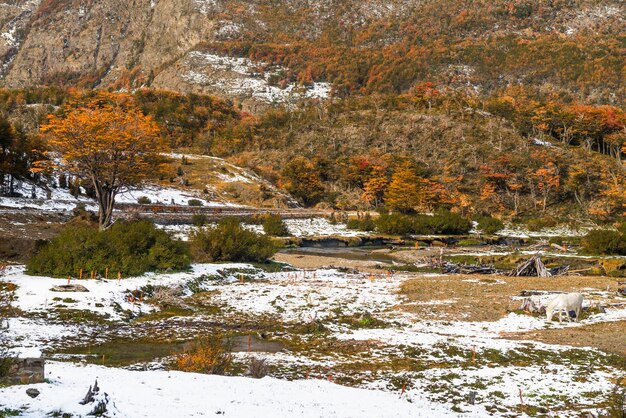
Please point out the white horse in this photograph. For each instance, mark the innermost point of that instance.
(564, 304)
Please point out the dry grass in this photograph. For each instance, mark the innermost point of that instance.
(484, 298)
(208, 355)
(608, 336)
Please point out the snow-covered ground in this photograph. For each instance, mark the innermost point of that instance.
(60, 200)
(300, 228)
(302, 297)
(246, 78)
(157, 394)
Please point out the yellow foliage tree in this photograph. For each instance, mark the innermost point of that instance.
(403, 194)
(107, 139)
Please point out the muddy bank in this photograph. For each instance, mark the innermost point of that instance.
(310, 261)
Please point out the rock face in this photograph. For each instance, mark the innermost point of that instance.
(97, 41)
(27, 371)
(124, 44)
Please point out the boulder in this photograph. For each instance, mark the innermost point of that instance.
(70, 288)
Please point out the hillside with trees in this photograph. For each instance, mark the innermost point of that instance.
(511, 108)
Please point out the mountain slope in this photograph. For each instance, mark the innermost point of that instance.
(574, 47)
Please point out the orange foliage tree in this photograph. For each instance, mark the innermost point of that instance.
(107, 139)
(403, 193)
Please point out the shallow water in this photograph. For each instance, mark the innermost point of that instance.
(360, 254)
(126, 353)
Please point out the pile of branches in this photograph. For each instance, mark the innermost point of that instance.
(453, 268)
(534, 267)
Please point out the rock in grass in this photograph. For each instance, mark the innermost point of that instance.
(70, 288)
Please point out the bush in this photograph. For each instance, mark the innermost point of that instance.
(450, 223)
(395, 224)
(443, 222)
(6, 362)
(489, 225)
(144, 200)
(228, 241)
(365, 223)
(537, 224)
(199, 219)
(257, 368)
(604, 242)
(195, 202)
(208, 355)
(274, 225)
(132, 248)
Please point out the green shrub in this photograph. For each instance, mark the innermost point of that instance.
(604, 242)
(489, 225)
(442, 222)
(228, 241)
(450, 223)
(195, 202)
(131, 248)
(144, 200)
(6, 361)
(537, 224)
(365, 223)
(273, 225)
(395, 224)
(199, 219)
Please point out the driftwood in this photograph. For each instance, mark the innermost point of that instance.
(534, 267)
(99, 400)
(532, 306)
(621, 291)
(89, 397)
(453, 268)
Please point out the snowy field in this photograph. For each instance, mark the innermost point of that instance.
(60, 200)
(371, 341)
(299, 228)
(246, 78)
(162, 394)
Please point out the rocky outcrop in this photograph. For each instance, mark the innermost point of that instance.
(104, 42)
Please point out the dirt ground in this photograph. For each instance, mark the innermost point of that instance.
(21, 229)
(315, 262)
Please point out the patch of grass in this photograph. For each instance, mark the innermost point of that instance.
(168, 312)
(80, 316)
(469, 242)
(363, 321)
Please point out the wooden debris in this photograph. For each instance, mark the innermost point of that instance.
(534, 267)
(100, 401)
(89, 397)
(531, 306)
(453, 268)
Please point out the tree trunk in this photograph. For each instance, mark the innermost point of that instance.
(106, 200)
